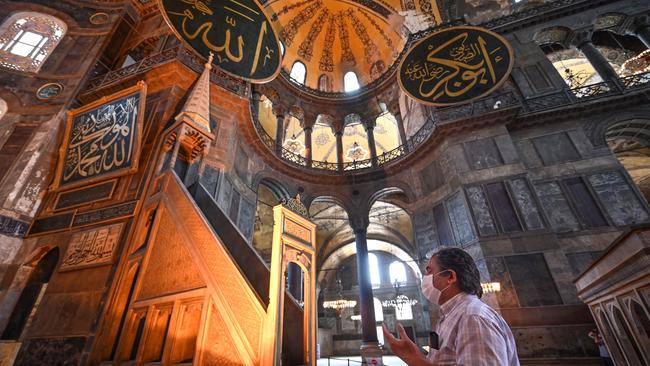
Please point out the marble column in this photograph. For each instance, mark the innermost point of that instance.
(402, 131)
(308, 154)
(370, 344)
(279, 133)
(339, 148)
(371, 143)
(596, 59)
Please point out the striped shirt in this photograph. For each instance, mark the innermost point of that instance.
(471, 333)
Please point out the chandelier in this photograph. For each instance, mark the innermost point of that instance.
(340, 304)
(637, 64)
(491, 287)
(399, 300)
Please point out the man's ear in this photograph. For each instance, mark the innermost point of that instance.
(453, 278)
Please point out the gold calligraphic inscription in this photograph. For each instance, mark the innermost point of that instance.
(92, 247)
(238, 32)
(296, 230)
(455, 65)
(102, 139)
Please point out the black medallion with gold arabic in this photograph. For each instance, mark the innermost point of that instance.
(455, 65)
(238, 32)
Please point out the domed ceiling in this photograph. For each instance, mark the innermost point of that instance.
(333, 37)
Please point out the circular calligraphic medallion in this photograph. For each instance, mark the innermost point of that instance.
(237, 32)
(455, 65)
(49, 91)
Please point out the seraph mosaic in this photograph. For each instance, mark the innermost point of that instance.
(102, 140)
(455, 65)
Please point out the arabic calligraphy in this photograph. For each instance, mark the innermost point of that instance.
(92, 247)
(101, 140)
(238, 32)
(455, 65)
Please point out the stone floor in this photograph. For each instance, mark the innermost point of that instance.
(356, 361)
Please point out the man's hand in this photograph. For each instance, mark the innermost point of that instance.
(403, 347)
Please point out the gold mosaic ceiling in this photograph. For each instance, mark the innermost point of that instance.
(332, 37)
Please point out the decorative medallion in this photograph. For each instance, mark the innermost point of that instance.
(49, 91)
(239, 33)
(102, 139)
(455, 65)
(295, 146)
(99, 18)
(356, 152)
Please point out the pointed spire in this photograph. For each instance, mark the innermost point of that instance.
(197, 106)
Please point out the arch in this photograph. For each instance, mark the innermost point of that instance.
(627, 341)
(640, 323)
(325, 83)
(324, 140)
(386, 133)
(266, 117)
(339, 255)
(607, 332)
(609, 21)
(298, 72)
(36, 284)
(557, 35)
(27, 39)
(350, 82)
(276, 187)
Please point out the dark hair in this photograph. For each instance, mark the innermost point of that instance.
(463, 264)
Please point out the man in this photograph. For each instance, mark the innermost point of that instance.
(470, 333)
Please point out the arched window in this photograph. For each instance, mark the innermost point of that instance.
(324, 83)
(386, 132)
(27, 39)
(298, 72)
(373, 264)
(350, 82)
(3, 108)
(397, 272)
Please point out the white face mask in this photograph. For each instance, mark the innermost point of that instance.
(429, 290)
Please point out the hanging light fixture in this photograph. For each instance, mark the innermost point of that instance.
(340, 304)
(399, 300)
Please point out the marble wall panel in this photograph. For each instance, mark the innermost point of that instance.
(51, 351)
(620, 202)
(246, 219)
(532, 280)
(425, 235)
(556, 148)
(460, 219)
(481, 210)
(431, 177)
(524, 199)
(483, 154)
(555, 205)
(210, 179)
(225, 192)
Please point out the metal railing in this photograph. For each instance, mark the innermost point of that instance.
(177, 53)
(585, 93)
(433, 118)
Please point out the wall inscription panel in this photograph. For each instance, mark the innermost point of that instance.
(297, 231)
(92, 247)
(102, 139)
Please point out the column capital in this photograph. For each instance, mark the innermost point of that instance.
(359, 222)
